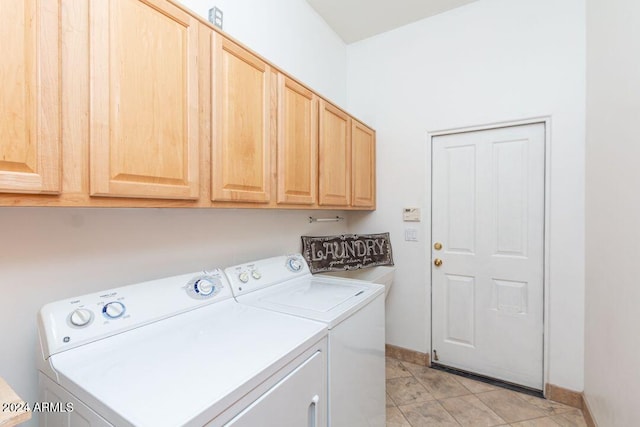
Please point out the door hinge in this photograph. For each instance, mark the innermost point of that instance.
(435, 355)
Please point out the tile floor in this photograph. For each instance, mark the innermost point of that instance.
(418, 396)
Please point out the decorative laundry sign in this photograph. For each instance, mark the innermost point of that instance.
(346, 252)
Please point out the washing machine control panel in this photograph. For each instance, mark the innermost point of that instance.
(80, 320)
(257, 275)
(294, 264)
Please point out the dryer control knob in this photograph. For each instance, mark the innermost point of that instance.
(81, 317)
(204, 286)
(294, 264)
(243, 277)
(113, 310)
(256, 274)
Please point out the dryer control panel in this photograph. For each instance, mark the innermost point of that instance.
(75, 321)
(252, 276)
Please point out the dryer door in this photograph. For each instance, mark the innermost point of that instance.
(298, 400)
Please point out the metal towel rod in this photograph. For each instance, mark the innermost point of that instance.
(334, 219)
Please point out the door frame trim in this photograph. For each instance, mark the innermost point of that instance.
(547, 121)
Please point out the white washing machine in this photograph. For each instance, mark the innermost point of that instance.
(179, 351)
(354, 313)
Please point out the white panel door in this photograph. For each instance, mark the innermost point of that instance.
(488, 215)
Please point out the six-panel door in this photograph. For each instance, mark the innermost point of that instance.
(144, 100)
(488, 219)
(334, 151)
(29, 97)
(241, 155)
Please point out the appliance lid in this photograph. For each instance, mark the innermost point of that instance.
(329, 300)
(315, 295)
(187, 368)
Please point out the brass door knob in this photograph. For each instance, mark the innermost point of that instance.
(437, 246)
(437, 262)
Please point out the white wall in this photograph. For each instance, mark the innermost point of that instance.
(289, 33)
(49, 254)
(612, 375)
(487, 62)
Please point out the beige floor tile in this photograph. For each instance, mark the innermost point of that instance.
(573, 418)
(475, 386)
(469, 411)
(395, 418)
(395, 369)
(428, 414)
(510, 406)
(549, 407)
(413, 368)
(538, 422)
(464, 402)
(407, 390)
(440, 384)
(390, 401)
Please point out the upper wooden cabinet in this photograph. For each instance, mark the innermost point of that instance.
(29, 97)
(139, 103)
(243, 98)
(297, 171)
(363, 166)
(334, 153)
(144, 100)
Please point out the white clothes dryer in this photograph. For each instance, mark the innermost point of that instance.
(179, 351)
(354, 314)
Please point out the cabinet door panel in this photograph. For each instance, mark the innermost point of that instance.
(242, 100)
(144, 100)
(297, 143)
(334, 155)
(29, 97)
(363, 142)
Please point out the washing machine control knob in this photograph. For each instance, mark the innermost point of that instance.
(113, 310)
(243, 277)
(204, 286)
(294, 265)
(256, 274)
(81, 317)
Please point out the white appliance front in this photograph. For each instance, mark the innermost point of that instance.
(204, 363)
(354, 313)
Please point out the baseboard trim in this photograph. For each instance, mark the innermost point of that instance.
(564, 395)
(571, 398)
(407, 355)
(586, 412)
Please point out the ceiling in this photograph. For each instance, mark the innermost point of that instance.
(355, 20)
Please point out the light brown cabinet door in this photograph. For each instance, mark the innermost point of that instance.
(363, 166)
(29, 97)
(144, 100)
(297, 143)
(243, 108)
(334, 153)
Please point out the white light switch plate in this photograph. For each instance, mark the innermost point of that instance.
(411, 234)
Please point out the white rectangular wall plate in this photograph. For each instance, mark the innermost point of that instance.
(411, 235)
(216, 17)
(411, 214)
